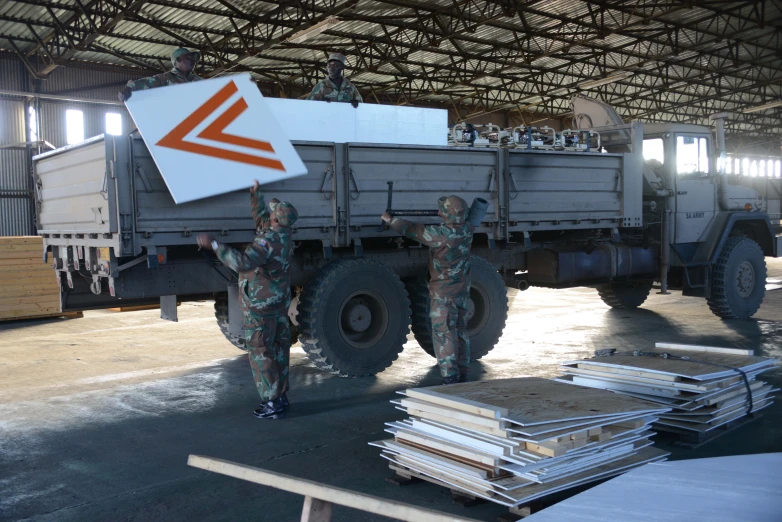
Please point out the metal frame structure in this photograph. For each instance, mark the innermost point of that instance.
(675, 61)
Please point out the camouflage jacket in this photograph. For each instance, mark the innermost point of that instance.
(449, 254)
(327, 90)
(165, 79)
(264, 269)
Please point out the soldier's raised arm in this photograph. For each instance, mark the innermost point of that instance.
(428, 235)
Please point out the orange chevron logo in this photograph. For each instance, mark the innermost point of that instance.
(215, 131)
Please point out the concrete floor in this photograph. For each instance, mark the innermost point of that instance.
(99, 414)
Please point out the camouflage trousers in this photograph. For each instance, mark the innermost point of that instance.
(268, 343)
(449, 333)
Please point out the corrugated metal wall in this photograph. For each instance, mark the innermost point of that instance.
(16, 203)
(16, 200)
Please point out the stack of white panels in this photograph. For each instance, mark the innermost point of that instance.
(514, 440)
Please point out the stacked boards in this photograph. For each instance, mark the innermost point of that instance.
(28, 286)
(704, 392)
(512, 441)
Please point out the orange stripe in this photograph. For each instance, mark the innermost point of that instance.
(215, 130)
(176, 138)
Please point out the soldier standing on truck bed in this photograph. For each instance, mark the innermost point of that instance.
(264, 284)
(335, 87)
(184, 61)
(449, 282)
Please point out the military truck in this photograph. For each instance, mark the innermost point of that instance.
(604, 218)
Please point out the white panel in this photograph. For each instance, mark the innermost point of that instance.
(214, 136)
(304, 120)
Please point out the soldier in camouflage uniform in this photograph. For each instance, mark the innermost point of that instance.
(335, 87)
(264, 284)
(449, 282)
(184, 61)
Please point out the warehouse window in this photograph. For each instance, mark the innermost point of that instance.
(113, 123)
(33, 123)
(692, 155)
(653, 150)
(74, 126)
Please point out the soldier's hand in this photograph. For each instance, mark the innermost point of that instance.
(354, 103)
(205, 241)
(255, 187)
(386, 217)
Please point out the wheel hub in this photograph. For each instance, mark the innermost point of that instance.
(470, 309)
(745, 279)
(359, 316)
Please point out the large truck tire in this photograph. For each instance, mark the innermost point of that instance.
(625, 295)
(221, 314)
(488, 309)
(354, 317)
(738, 280)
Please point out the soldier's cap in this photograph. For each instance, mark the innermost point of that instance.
(453, 208)
(285, 213)
(338, 57)
(273, 206)
(183, 51)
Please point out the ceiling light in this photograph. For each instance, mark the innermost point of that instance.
(763, 107)
(305, 34)
(615, 77)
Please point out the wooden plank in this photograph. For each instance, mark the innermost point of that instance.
(457, 403)
(533, 400)
(451, 413)
(316, 510)
(449, 421)
(698, 348)
(467, 469)
(335, 495)
(547, 449)
(423, 441)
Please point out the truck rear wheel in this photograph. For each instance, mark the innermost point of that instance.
(354, 317)
(489, 309)
(738, 280)
(625, 295)
(221, 314)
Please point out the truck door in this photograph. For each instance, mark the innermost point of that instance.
(695, 188)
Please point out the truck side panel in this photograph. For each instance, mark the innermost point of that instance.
(562, 190)
(420, 175)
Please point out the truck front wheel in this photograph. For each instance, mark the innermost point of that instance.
(354, 317)
(488, 309)
(738, 280)
(625, 295)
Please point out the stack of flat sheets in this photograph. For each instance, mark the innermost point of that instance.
(704, 392)
(514, 440)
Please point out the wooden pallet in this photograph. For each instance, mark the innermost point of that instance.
(64, 315)
(28, 287)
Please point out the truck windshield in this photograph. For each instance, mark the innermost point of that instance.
(692, 155)
(653, 150)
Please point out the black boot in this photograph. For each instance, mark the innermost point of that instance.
(285, 404)
(462, 377)
(270, 410)
(453, 379)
